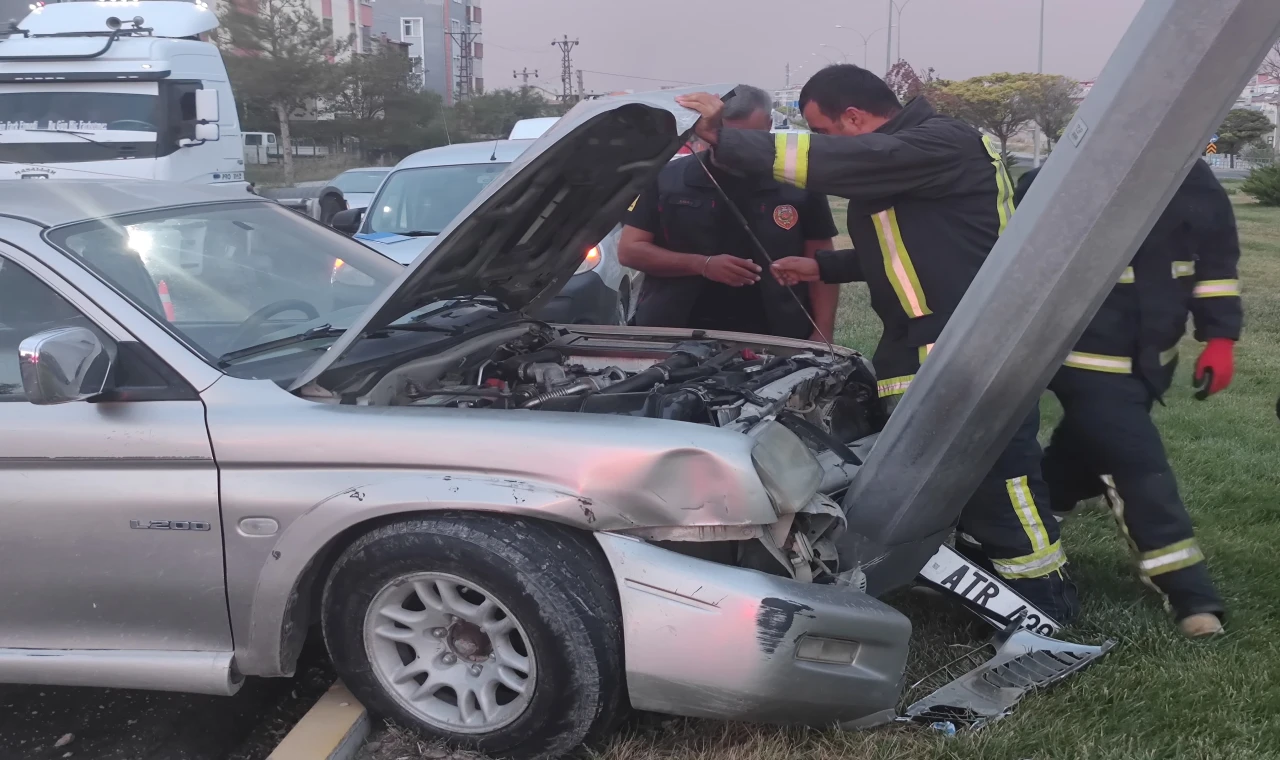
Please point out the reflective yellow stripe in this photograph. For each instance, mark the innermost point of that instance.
(1119, 365)
(1004, 185)
(1126, 277)
(924, 352)
(898, 266)
(1216, 288)
(1184, 268)
(1167, 357)
(1170, 558)
(894, 386)
(791, 158)
(1033, 565)
(1029, 515)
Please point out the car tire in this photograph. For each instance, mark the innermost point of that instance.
(556, 648)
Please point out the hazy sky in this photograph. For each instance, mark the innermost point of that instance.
(751, 41)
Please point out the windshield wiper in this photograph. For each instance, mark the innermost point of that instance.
(82, 135)
(323, 331)
(419, 233)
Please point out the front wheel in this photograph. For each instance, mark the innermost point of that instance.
(489, 633)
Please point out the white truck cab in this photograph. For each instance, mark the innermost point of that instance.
(119, 89)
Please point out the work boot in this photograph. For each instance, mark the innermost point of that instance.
(1201, 625)
(1054, 594)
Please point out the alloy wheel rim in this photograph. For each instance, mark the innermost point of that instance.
(450, 652)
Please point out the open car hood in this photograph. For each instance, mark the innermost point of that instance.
(522, 237)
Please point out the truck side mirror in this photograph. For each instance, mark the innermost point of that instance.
(207, 132)
(206, 107)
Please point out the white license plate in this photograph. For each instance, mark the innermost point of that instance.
(950, 570)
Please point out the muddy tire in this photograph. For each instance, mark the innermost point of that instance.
(494, 634)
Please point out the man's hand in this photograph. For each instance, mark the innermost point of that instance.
(711, 109)
(1215, 367)
(731, 270)
(794, 270)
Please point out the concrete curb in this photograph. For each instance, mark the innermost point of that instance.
(333, 729)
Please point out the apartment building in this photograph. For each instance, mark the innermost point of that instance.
(443, 38)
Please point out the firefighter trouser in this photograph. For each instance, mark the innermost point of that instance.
(1108, 445)
(1009, 518)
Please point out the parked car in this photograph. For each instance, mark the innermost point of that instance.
(359, 185)
(426, 190)
(238, 423)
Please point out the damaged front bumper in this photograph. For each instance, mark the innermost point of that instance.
(713, 641)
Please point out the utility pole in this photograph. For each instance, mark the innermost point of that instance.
(1039, 70)
(524, 75)
(566, 46)
(465, 40)
(888, 42)
(582, 91)
(788, 86)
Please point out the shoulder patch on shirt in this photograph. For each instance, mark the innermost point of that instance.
(786, 216)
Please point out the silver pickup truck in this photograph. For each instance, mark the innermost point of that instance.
(224, 423)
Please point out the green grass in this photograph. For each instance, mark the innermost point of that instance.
(1156, 696)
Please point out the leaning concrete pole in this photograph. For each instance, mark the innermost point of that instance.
(1166, 88)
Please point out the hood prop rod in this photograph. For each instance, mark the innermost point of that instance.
(760, 249)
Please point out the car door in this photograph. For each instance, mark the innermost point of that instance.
(110, 536)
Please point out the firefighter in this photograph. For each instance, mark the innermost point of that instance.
(700, 268)
(928, 197)
(1107, 444)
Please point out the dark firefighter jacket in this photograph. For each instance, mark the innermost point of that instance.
(1187, 264)
(928, 197)
(693, 220)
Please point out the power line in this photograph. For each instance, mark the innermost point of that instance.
(634, 76)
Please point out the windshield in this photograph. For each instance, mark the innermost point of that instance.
(358, 182)
(426, 199)
(77, 110)
(228, 276)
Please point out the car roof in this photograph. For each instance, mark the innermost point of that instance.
(505, 151)
(368, 169)
(52, 202)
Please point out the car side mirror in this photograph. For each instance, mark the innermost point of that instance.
(348, 221)
(62, 365)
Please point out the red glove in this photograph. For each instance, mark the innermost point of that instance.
(1215, 366)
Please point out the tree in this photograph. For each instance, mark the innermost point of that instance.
(1242, 127)
(1263, 183)
(280, 57)
(493, 114)
(997, 103)
(907, 84)
(1051, 99)
(1271, 66)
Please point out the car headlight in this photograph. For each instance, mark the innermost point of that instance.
(590, 261)
(790, 472)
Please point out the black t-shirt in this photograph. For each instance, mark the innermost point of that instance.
(720, 306)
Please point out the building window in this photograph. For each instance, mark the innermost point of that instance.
(410, 27)
(326, 8)
(353, 35)
(477, 50)
(475, 14)
(455, 25)
(479, 85)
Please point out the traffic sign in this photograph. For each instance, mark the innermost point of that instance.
(1213, 139)
(1211, 149)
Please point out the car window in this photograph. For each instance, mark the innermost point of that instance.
(28, 306)
(225, 276)
(358, 182)
(424, 200)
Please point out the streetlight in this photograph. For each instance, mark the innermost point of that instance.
(866, 38)
(1039, 70)
(901, 8)
(820, 55)
(844, 57)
